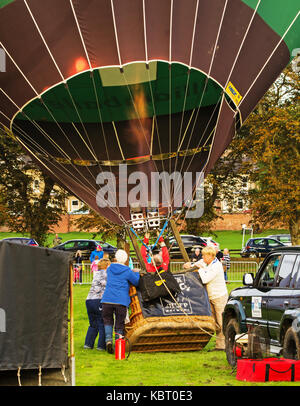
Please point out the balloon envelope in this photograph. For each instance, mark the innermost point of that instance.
(157, 86)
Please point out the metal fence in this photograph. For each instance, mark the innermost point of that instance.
(235, 274)
(239, 268)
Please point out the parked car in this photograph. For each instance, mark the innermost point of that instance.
(190, 242)
(284, 238)
(269, 302)
(260, 247)
(86, 247)
(210, 241)
(22, 240)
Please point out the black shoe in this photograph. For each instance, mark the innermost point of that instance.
(109, 347)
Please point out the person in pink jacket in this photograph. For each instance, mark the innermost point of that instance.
(94, 264)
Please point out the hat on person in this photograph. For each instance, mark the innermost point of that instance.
(121, 256)
(99, 246)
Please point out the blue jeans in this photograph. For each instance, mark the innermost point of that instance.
(94, 310)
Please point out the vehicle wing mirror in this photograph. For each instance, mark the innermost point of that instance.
(248, 279)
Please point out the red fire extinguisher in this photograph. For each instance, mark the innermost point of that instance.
(120, 344)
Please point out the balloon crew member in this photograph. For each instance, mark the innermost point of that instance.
(94, 307)
(212, 275)
(116, 299)
(162, 258)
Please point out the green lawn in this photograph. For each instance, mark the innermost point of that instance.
(197, 368)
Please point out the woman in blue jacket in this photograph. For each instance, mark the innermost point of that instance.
(115, 299)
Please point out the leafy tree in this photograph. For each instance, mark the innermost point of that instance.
(101, 226)
(22, 209)
(221, 183)
(266, 150)
(270, 141)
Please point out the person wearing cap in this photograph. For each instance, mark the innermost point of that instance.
(161, 259)
(116, 299)
(98, 251)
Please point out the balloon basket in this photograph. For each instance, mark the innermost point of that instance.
(166, 334)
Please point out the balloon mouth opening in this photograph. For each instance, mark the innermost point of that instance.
(121, 96)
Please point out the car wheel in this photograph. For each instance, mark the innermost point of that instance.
(291, 345)
(231, 330)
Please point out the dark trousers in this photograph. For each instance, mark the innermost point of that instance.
(94, 310)
(109, 310)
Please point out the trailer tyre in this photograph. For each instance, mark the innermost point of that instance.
(231, 330)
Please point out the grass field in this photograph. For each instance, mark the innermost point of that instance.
(197, 368)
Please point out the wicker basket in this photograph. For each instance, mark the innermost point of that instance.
(170, 333)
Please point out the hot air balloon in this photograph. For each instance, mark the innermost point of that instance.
(150, 86)
(104, 94)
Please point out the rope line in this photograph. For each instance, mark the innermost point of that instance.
(204, 89)
(63, 169)
(272, 53)
(187, 82)
(95, 90)
(242, 44)
(67, 87)
(220, 97)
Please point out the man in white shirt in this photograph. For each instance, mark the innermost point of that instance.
(212, 275)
